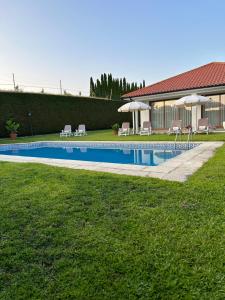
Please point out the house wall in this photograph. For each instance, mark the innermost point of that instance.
(144, 116)
(196, 115)
(164, 112)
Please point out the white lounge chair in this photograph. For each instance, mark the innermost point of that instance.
(67, 131)
(203, 126)
(146, 129)
(81, 130)
(125, 129)
(176, 127)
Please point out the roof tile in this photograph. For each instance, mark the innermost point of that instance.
(212, 74)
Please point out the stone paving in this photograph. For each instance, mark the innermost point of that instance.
(175, 169)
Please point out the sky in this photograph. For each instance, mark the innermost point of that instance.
(45, 41)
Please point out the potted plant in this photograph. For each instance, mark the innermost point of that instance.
(115, 128)
(12, 127)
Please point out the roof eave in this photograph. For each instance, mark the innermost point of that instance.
(176, 94)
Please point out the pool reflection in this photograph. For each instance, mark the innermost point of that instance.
(146, 157)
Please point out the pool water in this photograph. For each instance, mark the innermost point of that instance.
(146, 157)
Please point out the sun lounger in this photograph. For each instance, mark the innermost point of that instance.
(146, 129)
(175, 127)
(67, 131)
(125, 129)
(203, 126)
(81, 130)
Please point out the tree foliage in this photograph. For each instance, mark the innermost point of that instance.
(112, 88)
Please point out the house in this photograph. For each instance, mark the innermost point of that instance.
(207, 80)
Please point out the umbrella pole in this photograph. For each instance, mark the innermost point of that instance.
(196, 119)
(136, 121)
(133, 121)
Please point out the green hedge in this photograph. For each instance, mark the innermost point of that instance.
(49, 113)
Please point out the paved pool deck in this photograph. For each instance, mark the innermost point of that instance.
(178, 168)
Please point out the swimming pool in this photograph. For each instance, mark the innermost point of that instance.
(144, 154)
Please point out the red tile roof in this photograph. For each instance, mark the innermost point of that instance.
(212, 74)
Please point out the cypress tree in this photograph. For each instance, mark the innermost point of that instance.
(105, 85)
(143, 83)
(102, 86)
(112, 88)
(124, 85)
(121, 86)
(92, 87)
(98, 88)
(116, 88)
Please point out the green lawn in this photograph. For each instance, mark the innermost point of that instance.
(69, 234)
(107, 135)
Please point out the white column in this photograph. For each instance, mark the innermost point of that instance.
(144, 116)
(195, 116)
(136, 121)
(133, 117)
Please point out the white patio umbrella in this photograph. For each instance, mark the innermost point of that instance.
(190, 101)
(134, 107)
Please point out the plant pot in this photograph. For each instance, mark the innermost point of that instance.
(115, 132)
(13, 135)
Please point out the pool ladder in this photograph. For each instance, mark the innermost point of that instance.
(189, 137)
(178, 133)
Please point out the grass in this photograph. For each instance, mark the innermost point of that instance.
(107, 135)
(69, 234)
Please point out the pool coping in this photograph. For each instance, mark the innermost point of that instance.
(178, 168)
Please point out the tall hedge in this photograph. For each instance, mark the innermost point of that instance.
(49, 113)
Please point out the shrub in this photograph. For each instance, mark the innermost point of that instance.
(115, 127)
(45, 113)
(12, 126)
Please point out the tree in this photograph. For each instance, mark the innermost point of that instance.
(105, 86)
(121, 86)
(92, 88)
(112, 88)
(128, 87)
(143, 83)
(98, 88)
(124, 84)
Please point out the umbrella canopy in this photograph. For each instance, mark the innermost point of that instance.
(134, 106)
(179, 102)
(192, 100)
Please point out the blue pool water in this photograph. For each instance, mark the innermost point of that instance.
(149, 156)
